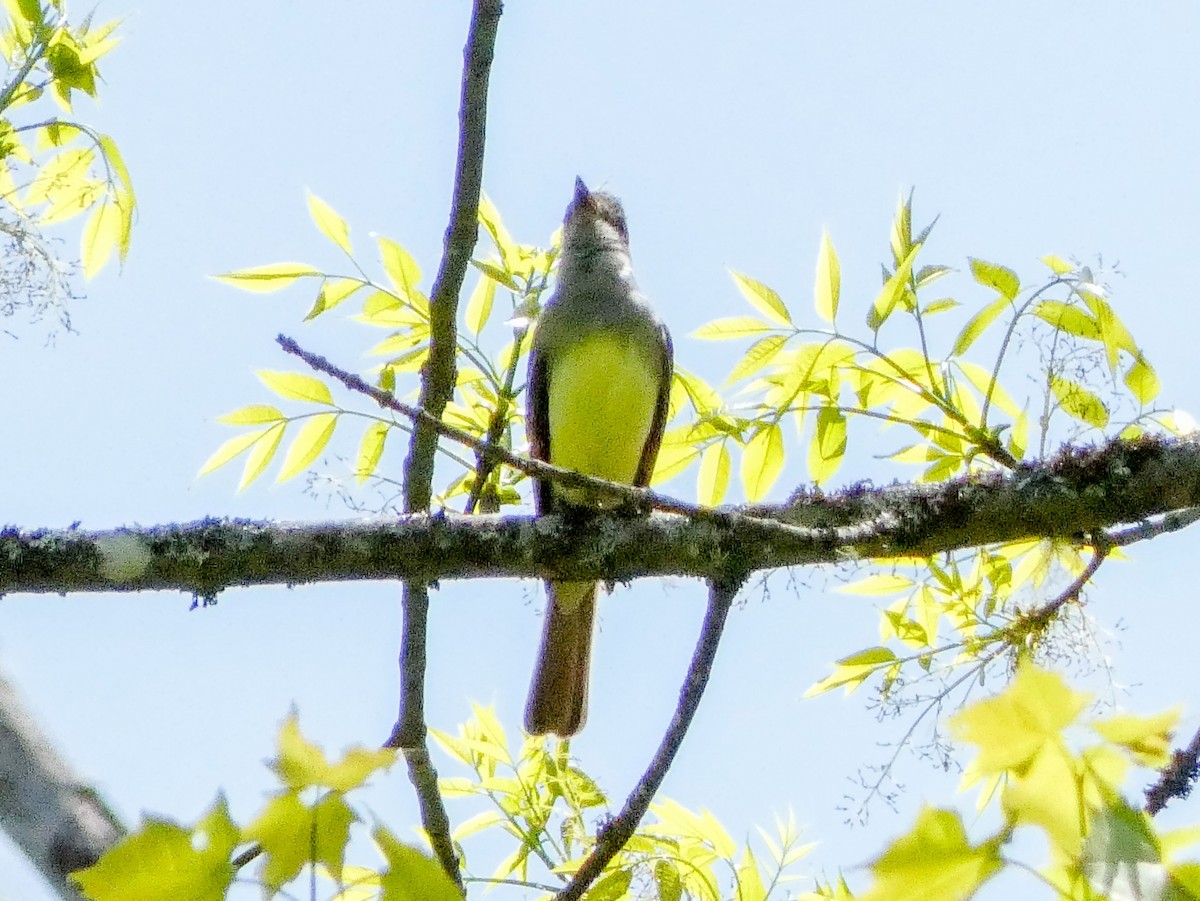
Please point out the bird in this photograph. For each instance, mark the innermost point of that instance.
(598, 392)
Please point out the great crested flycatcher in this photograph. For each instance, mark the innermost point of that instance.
(598, 387)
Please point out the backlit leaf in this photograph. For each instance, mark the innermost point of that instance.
(479, 307)
(1142, 381)
(261, 453)
(400, 267)
(828, 445)
(296, 386)
(829, 280)
(267, 278)
(978, 324)
(731, 327)
(370, 449)
(762, 298)
(713, 480)
(995, 276)
(307, 445)
(762, 461)
(328, 222)
(1079, 402)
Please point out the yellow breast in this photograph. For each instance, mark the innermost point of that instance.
(603, 391)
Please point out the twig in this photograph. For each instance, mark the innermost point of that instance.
(619, 831)
(437, 387)
(1177, 777)
(504, 398)
(764, 527)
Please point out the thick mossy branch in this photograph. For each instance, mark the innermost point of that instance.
(1080, 492)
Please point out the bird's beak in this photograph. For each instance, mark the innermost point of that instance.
(582, 194)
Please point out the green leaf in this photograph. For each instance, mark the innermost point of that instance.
(296, 386)
(612, 887)
(1013, 727)
(762, 298)
(991, 275)
(333, 292)
(713, 480)
(731, 327)
(230, 449)
(853, 670)
(489, 218)
(307, 445)
(828, 445)
(263, 450)
(328, 222)
(829, 280)
(293, 834)
(263, 279)
(1068, 318)
(163, 861)
(1079, 402)
(479, 307)
(1142, 381)
(762, 461)
(496, 274)
(411, 875)
(933, 862)
(667, 881)
(302, 764)
(1057, 265)
(254, 414)
(749, 881)
(893, 290)
(400, 267)
(759, 355)
(101, 236)
(978, 324)
(370, 450)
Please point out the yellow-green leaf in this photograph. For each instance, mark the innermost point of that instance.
(1079, 402)
(828, 445)
(853, 670)
(762, 461)
(1148, 738)
(163, 860)
(370, 450)
(731, 327)
(892, 291)
(995, 276)
(933, 862)
(479, 307)
(1142, 381)
(978, 324)
(332, 293)
(101, 236)
(879, 584)
(229, 450)
(411, 875)
(1068, 318)
(713, 480)
(302, 764)
(307, 445)
(1015, 725)
(263, 279)
(489, 218)
(760, 354)
(261, 453)
(328, 222)
(1057, 265)
(749, 881)
(296, 386)
(400, 267)
(829, 280)
(254, 414)
(762, 298)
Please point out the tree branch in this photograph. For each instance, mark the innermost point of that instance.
(614, 836)
(60, 824)
(437, 387)
(1081, 492)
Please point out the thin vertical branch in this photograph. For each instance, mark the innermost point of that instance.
(619, 831)
(437, 387)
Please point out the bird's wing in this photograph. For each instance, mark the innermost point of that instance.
(537, 423)
(654, 439)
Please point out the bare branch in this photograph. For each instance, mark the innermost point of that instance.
(617, 833)
(1177, 777)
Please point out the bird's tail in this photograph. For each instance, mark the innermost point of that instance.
(558, 694)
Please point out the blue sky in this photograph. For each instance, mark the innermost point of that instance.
(734, 134)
